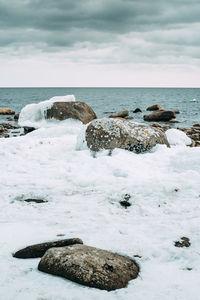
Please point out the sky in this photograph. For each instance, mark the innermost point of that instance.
(79, 43)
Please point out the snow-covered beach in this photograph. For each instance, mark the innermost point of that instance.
(83, 194)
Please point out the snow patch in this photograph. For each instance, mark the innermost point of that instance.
(177, 137)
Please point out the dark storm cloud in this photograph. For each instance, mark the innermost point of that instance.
(51, 25)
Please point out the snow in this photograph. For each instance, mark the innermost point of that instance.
(33, 115)
(83, 195)
(177, 137)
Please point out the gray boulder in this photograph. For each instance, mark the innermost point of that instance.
(38, 250)
(90, 266)
(75, 110)
(160, 115)
(116, 133)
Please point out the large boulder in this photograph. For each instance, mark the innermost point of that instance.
(75, 110)
(90, 266)
(114, 133)
(160, 115)
(38, 250)
(6, 111)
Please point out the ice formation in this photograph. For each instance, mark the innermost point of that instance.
(33, 115)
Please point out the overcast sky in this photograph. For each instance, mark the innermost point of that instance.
(100, 43)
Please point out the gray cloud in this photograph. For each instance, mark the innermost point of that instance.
(130, 30)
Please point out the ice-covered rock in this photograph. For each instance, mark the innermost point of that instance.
(114, 133)
(34, 115)
(177, 137)
(90, 266)
(71, 110)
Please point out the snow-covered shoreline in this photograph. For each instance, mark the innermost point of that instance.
(83, 195)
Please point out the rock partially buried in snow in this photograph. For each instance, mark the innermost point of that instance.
(6, 111)
(75, 110)
(90, 266)
(177, 137)
(39, 250)
(160, 115)
(114, 133)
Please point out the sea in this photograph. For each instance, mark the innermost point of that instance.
(107, 100)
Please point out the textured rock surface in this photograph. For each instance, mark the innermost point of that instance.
(160, 115)
(6, 111)
(114, 133)
(39, 250)
(90, 266)
(75, 110)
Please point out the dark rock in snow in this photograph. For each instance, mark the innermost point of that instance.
(90, 266)
(185, 242)
(36, 200)
(38, 250)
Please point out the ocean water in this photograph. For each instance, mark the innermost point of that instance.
(104, 100)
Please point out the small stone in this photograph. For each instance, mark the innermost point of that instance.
(137, 110)
(185, 242)
(36, 200)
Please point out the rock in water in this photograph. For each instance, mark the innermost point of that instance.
(155, 107)
(6, 111)
(75, 110)
(137, 110)
(114, 133)
(160, 115)
(39, 250)
(121, 114)
(90, 266)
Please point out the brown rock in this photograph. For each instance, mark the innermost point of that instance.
(6, 111)
(1, 128)
(115, 133)
(75, 110)
(185, 242)
(155, 107)
(90, 266)
(160, 115)
(196, 125)
(121, 114)
(129, 118)
(174, 121)
(39, 250)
